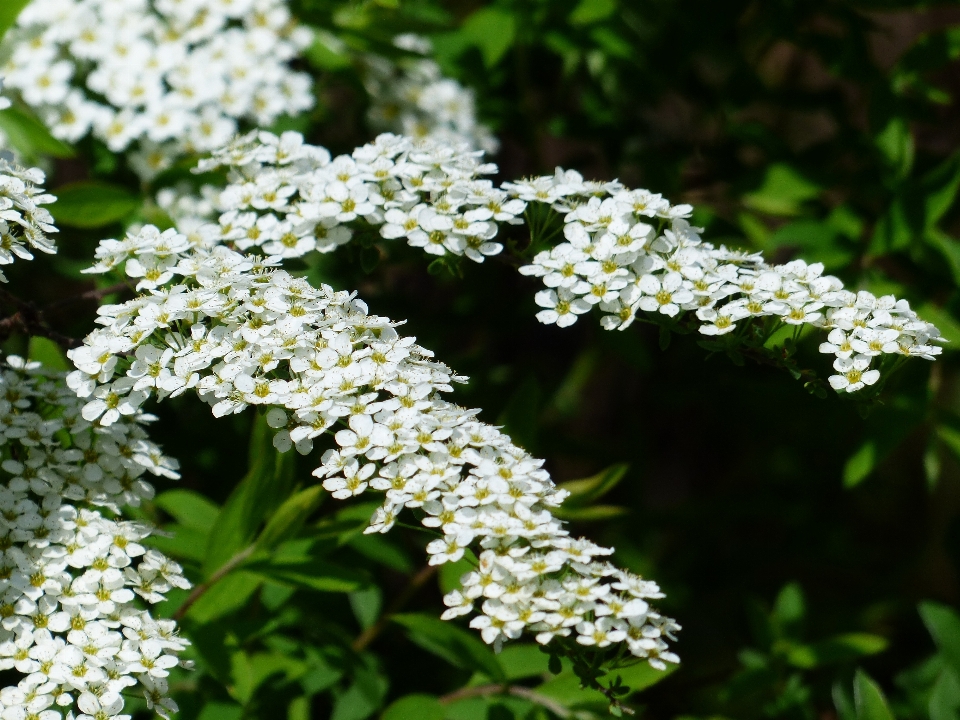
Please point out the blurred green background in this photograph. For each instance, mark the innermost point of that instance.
(802, 544)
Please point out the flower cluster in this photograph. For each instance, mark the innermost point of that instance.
(624, 251)
(24, 224)
(413, 97)
(287, 199)
(627, 251)
(240, 333)
(70, 571)
(173, 77)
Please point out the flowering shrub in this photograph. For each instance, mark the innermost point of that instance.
(232, 258)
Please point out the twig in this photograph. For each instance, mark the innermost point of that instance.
(371, 633)
(202, 588)
(32, 320)
(519, 691)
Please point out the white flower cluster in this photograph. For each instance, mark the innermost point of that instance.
(287, 199)
(24, 224)
(413, 97)
(174, 77)
(240, 333)
(69, 574)
(627, 251)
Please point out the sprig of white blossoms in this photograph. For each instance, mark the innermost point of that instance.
(412, 97)
(240, 333)
(171, 77)
(24, 224)
(624, 251)
(627, 251)
(70, 569)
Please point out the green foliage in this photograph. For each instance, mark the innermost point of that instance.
(793, 531)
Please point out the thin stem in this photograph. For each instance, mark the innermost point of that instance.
(200, 590)
(518, 691)
(371, 633)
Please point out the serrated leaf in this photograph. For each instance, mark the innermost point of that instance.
(455, 645)
(92, 204)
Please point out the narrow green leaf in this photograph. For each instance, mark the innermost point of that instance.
(789, 610)
(264, 488)
(415, 707)
(189, 508)
(310, 573)
(869, 700)
(943, 624)
(591, 11)
(92, 204)
(48, 353)
(491, 30)
(290, 517)
(9, 10)
(523, 660)
(860, 465)
(588, 490)
(456, 646)
(840, 648)
(30, 136)
(225, 597)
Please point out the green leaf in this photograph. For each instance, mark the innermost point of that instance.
(189, 508)
(523, 661)
(449, 574)
(948, 326)
(492, 31)
(895, 143)
(220, 711)
(9, 10)
(782, 192)
(950, 437)
(840, 648)
(585, 492)
(290, 517)
(591, 11)
(789, 609)
(591, 514)
(940, 188)
(943, 624)
(860, 465)
(92, 204)
(366, 605)
(29, 135)
(458, 647)
(225, 597)
(415, 707)
(383, 550)
(48, 353)
(310, 573)
(363, 698)
(869, 700)
(945, 697)
(263, 489)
